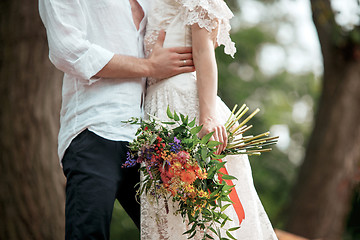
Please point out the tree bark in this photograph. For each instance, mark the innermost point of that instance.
(32, 184)
(323, 193)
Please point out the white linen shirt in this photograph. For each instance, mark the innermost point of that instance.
(83, 36)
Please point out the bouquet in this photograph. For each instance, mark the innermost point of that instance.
(178, 165)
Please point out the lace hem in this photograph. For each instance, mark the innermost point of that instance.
(210, 14)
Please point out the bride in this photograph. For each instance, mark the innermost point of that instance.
(202, 24)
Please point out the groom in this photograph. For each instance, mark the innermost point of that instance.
(98, 44)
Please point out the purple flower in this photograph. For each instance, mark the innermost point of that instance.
(130, 161)
(175, 146)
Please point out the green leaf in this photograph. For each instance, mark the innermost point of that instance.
(213, 230)
(228, 177)
(218, 156)
(187, 232)
(233, 229)
(214, 193)
(168, 112)
(226, 199)
(186, 121)
(176, 117)
(169, 123)
(224, 222)
(192, 235)
(204, 153)
(192, 123)
(227, 187)
(182, 117)
(225, 207)
(208, 236)
(229, 235)
(219, 165)
(206, 138)
(213, 144)
(196, 130)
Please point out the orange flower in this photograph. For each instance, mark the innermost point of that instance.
(188, 166)
(173, 191)
(188, 176)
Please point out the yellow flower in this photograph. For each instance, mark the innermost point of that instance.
(189, 188)
(203, 194)
(177, 166)
(201, 174)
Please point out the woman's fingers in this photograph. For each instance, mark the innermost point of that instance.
(219, 135)
(217, 138)
(224, 138)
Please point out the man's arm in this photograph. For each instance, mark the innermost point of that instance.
(69, 50)
(72, 53)
(162, 63)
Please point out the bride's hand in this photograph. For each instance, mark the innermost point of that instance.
(220, 135)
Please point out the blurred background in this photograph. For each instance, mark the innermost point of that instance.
(297, 60)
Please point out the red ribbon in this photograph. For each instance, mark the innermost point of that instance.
(233, 196)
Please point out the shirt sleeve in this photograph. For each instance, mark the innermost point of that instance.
(69, 50)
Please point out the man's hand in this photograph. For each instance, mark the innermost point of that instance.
(167, 62)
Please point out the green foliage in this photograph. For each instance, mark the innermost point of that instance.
(353, 224)
(122, 227)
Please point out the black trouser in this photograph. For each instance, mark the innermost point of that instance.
(95, 178)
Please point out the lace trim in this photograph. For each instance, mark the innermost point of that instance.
(210, 14)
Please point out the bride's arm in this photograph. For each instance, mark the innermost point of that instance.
(206, 73)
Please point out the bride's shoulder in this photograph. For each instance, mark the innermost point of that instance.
(202, 3)
(216, 9)
(209, 14)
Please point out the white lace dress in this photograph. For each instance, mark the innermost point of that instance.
(180, 93)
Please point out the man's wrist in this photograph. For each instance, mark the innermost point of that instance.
(148, 67)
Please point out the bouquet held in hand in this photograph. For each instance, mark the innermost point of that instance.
(178, 166)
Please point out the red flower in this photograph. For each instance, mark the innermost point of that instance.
(166, 174)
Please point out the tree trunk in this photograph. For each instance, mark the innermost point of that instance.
(32, 184)
(323, 194)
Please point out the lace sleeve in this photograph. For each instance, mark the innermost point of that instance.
(210, 14)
